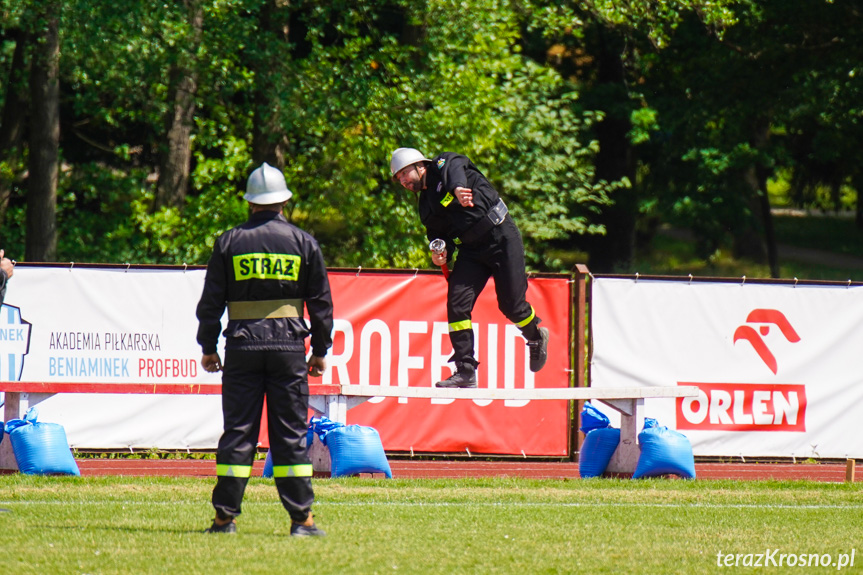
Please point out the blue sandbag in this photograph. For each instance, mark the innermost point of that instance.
(320, 425)
(268, 462)
(268, 465)
(599, 444)
(596, 451)
(663, 452)
(592, 418)
(40, 448)
(356, 449)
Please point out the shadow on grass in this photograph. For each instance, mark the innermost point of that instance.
(166, 531)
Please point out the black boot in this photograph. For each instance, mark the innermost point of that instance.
(465, 376)
(300, 530)
(539, 350)
(230, 527)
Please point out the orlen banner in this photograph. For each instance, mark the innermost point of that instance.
(138, 326)
(777, 365)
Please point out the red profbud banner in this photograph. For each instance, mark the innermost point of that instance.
(391, 330)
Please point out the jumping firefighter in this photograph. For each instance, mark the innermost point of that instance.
(458, 204)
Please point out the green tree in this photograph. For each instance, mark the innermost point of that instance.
(821, 126)
(152, 101)
(603, 47)
(183, 73)
(775, 95)
(403, 75)
(328, 90)
(15, 105)
(44, 141)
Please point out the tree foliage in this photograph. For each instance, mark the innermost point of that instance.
(334, 88)
(592, 118)
(771, 99)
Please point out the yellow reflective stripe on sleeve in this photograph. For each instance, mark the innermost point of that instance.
(225, 470)
(301, 470)
(460, 325)
(267, 267)
(447, 199)
(529, 319)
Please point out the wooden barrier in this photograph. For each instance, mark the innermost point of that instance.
(334, 401)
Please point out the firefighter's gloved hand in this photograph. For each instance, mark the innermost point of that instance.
(317, 366)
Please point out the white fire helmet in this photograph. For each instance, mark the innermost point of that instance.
(405, 157)
(266, 185)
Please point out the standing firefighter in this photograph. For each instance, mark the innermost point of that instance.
(459, 205)
(264, 271)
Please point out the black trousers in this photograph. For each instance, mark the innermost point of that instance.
(498, 254)
(248, 377)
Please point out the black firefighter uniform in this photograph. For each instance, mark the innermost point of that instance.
(265, 271)
(489, 245)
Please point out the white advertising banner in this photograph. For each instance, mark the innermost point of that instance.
(103, 326)
(777, 364)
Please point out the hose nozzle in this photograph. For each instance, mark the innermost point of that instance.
(438, 246)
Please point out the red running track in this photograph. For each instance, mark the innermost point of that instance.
(411, 469)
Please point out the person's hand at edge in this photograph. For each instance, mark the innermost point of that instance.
(317, 366)
(211, 362)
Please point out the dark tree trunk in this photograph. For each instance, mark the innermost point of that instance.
(44, 141)
(176, 162)
(769, 232)
(857, 182)
(756, 239)
(614, 161)
(268, 140)
(12, 121)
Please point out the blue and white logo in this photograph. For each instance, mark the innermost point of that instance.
(14, 343)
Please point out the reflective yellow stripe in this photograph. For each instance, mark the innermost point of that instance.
(460, 325)
(301, 470)
(447, 199)
(225, 470)
(524, 322)
(265, 309)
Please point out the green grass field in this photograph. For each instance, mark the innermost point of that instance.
(657, 526)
